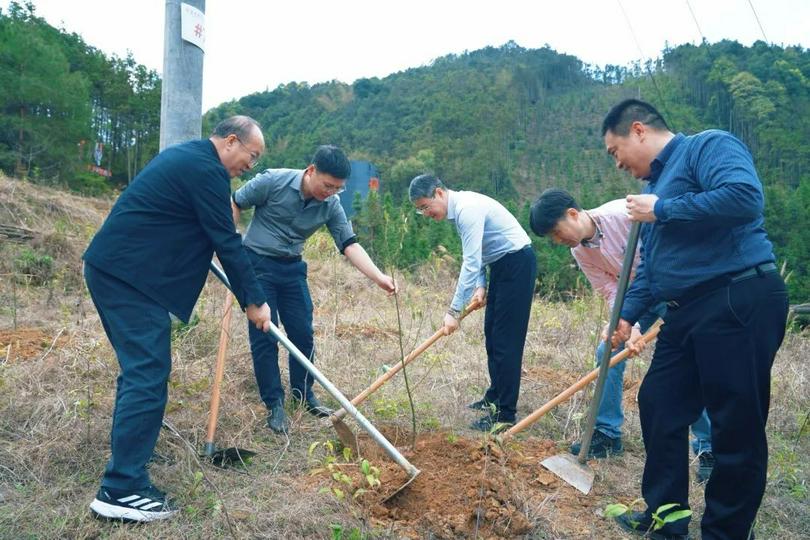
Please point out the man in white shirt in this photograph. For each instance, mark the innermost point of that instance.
(490, 236)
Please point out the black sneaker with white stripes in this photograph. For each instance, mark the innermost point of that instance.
(148, 504)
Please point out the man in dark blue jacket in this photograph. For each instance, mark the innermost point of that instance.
(706, 254)
(149, 259)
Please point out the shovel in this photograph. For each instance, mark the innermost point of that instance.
(571, 469)
(378, 437)
(344, 433)
(650, 335)
(223, 457)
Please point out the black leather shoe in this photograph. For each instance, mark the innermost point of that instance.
(277, 419)
(638, 523)
(481, 405)
(705, 467)
(490, 424)
(602, 446)
(314, 407)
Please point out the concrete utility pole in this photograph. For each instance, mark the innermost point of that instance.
(181, 94)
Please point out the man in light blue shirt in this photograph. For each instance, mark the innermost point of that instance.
(490, 236)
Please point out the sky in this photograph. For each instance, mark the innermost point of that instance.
(255, 45)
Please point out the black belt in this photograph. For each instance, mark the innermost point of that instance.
(277, 258)
(285, 260)
(721, 281)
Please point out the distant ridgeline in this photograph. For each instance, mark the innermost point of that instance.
(510, 122)
(505, 121)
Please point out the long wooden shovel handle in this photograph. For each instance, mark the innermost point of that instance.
(219, 370)
(382, 379)
(577, 386)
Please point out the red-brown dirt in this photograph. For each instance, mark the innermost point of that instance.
(467, 488)
(27, 343)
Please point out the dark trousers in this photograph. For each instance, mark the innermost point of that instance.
(140, 333)
(285, 284)
(726, 342)
(506, 320)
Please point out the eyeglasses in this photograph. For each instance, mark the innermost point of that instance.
(334, 190)
(421, 209)
(254, 157)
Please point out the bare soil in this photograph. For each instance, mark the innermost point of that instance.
(57, 393)
(467, 488)
(28, 343)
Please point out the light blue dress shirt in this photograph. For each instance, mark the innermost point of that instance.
(488, 232)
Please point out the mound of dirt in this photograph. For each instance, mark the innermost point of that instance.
(27, 343)
(467, 488)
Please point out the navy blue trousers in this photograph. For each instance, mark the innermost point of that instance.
(285, 284)
(506, 320)
(140, 333)
(725, 342)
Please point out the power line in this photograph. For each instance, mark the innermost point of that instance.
(694, 18)
(750, 3)
(638, 46)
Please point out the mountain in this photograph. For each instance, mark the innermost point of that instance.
(510, 122)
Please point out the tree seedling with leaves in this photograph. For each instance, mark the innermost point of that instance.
(343, 483)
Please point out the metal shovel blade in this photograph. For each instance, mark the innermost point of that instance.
(568, 467)
(345, 434)
(227, 457)
(403, 486)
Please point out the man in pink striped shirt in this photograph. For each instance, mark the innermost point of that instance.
(598, 240)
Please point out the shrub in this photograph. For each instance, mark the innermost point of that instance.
(32, 267)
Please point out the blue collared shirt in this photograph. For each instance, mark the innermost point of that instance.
(488, 232)
(283, 219)
(709, 219)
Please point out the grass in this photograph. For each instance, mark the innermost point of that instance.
(55, 405)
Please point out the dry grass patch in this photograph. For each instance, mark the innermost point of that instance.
(56, 399)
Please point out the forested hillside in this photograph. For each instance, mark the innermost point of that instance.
(510, 122)
(60, 96)
(506, 121)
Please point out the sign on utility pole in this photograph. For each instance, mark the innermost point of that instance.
(183, 52)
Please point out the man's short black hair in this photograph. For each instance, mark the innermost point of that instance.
(621, 117)
(549, 209)
(331, 160)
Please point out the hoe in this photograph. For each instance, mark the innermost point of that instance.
(378, 437)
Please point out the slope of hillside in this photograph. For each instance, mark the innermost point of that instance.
(57, 378)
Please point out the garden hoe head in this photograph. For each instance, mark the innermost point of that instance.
(346, 435)
(227, 457)
(573, 469)
(568, 467)
(411, 478)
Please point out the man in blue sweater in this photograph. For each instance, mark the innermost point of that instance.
(707, 255)
(149, 259)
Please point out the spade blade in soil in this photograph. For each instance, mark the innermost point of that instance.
(230, 457)
(568, 467)
(403, 486)
(345, 434)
